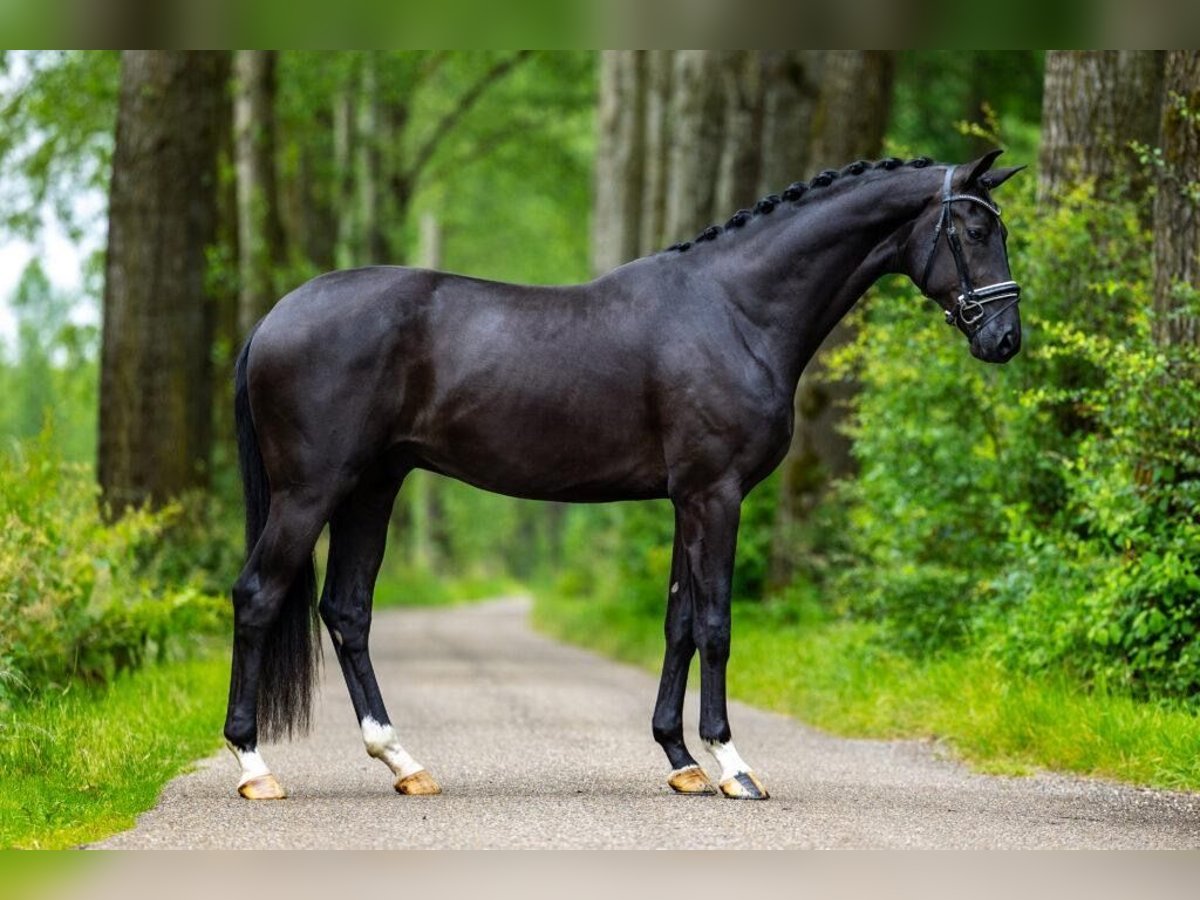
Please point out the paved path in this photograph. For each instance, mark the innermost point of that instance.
(541, 745)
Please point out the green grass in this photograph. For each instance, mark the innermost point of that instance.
(400, 585)
(835, 676)
(80, 766)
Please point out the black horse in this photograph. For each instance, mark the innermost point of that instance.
(672, 376)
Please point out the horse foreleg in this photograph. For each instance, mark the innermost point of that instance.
(709, 525)
(357, 537)
(686, 775)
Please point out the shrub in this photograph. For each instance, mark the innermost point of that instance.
(1049, 508)
(82, 599)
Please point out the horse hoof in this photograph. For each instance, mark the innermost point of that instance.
(264, 787)
(744, 786)
(418, 784)
(691, 780)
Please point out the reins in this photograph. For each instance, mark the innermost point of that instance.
(971, 306)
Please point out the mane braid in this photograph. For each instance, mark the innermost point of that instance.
(794, 193)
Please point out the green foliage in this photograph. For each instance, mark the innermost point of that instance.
(82, 599)
(513, 188)
(57, 121)
(507, 181)
(1130, 526)
(939, 93)
(619, 551)
(1047, 509)
(50, 377)
(624, 550)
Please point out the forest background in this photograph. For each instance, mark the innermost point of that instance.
(1003, 557)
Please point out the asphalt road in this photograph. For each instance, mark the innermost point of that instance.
(541, 745)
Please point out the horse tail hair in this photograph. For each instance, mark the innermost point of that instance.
(290, 652)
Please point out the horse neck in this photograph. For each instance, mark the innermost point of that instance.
(801, 274)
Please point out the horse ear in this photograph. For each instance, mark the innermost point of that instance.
(981, 165)
(997, 177)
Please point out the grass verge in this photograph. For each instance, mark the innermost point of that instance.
(837, 677)
(80, 766)
(400, 585)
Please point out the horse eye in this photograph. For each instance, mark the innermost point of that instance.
(975, 234)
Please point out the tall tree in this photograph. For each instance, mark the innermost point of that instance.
(850, 117)
(791, 87)
(155, 377)
(406, 169)
(620, 150)
(372, 246)
(697, 118)
(1177, 202)
(346, 245)
(741, 152)
(1094, 103)
(307, 162)
(657, 142)
(853, 106)
(260, 233)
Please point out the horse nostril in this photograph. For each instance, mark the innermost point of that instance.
(1009, 344)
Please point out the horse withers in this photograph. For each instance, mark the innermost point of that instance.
(672, 376)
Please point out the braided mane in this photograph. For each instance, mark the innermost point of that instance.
(795, 192)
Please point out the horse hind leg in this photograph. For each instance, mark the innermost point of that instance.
(273, 663)
(357, 538)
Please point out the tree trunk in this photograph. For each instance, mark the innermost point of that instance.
(155, 375)
(260, 234)
(372, 249)
(657, 143)
(791, 86)
(1094, 103)
(617, 206)
(852, 110)
(849, 120)
(308, 193)
(1177, 202)
(697, 116)
(344, 177)
(224, 284)
(741, 154)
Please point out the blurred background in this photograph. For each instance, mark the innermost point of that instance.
(939, 526)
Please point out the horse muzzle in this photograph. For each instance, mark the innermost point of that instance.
(997, 338)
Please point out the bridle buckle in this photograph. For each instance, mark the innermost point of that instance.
(964, 309)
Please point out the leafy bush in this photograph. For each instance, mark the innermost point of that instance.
(1131, 524)
(82, 599)
(1049, 508)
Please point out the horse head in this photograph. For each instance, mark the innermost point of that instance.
(958, 257)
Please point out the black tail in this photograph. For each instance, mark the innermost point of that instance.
(290, 655)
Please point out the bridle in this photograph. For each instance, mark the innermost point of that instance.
(971, 308)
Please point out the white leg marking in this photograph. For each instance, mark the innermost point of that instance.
(727, 757)
(252, 764)
(382, 743)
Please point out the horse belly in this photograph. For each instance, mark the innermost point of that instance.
(547, 451)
